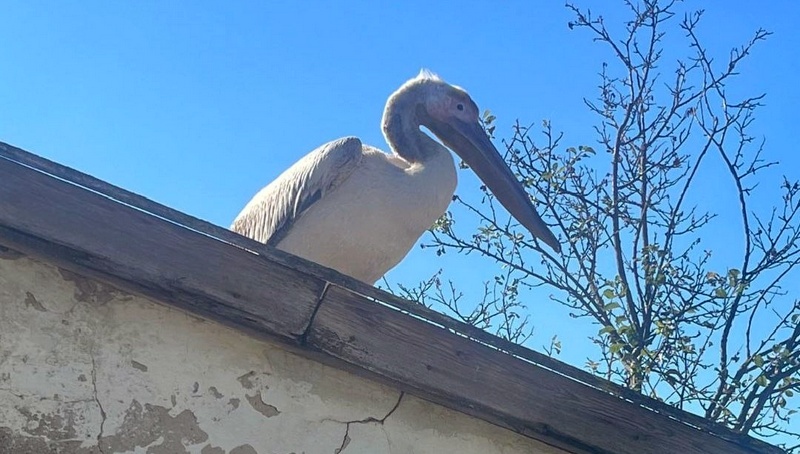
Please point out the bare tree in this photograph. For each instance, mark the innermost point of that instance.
(673, 324)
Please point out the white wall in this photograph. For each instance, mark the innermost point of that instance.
(85, 368)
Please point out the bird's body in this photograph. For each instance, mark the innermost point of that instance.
(359, 210)
(384, 206)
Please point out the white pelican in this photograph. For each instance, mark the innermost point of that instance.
(358, 210)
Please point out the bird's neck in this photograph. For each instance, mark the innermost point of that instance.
(401, 127)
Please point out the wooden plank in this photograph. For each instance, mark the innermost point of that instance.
(193, 270)
(330, 275)
(220, 300)
(460, 373)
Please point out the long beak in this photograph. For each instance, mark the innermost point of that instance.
(471, 143)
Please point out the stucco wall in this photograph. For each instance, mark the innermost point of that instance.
(85, 368)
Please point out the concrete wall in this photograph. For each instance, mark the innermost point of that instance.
(85, 368)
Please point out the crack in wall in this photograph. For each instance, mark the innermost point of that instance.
(371, 419)
(345, 440)
(41, 398)
(97, 401)
(18, 396)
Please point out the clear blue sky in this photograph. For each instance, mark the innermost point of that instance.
(198, 105)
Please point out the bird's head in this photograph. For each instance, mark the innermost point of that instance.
(451, 115)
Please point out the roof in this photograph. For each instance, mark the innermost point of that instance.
(91, 227)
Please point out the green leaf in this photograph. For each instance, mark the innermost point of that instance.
(720, 292)
(608, 293)
(611, 306)
(606, 329)
(624, 328)
(761, 380)
(758, 360)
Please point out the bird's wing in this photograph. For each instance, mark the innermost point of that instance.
(269, 216)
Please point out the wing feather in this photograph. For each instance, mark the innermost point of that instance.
(269, 216)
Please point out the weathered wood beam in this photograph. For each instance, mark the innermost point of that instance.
(177, 259)
(163, 260)
(457, 371)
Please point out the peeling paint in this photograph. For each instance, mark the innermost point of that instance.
(88, 290)
(55, 426)
(208, 449)
(247, 380)
(30, 301)
(100, 371)
(20, 444)
(11, 443)
(146, 424)
(260, 406)
(244, 449)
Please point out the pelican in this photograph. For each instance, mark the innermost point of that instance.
(358, 210)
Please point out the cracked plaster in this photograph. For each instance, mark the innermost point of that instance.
(86, 368)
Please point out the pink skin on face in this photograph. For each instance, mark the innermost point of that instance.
(445, 107)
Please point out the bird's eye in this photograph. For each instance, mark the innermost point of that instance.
(460, 107)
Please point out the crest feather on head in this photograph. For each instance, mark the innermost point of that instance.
(427, 74)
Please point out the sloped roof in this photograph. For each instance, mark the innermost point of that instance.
(88, 226)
